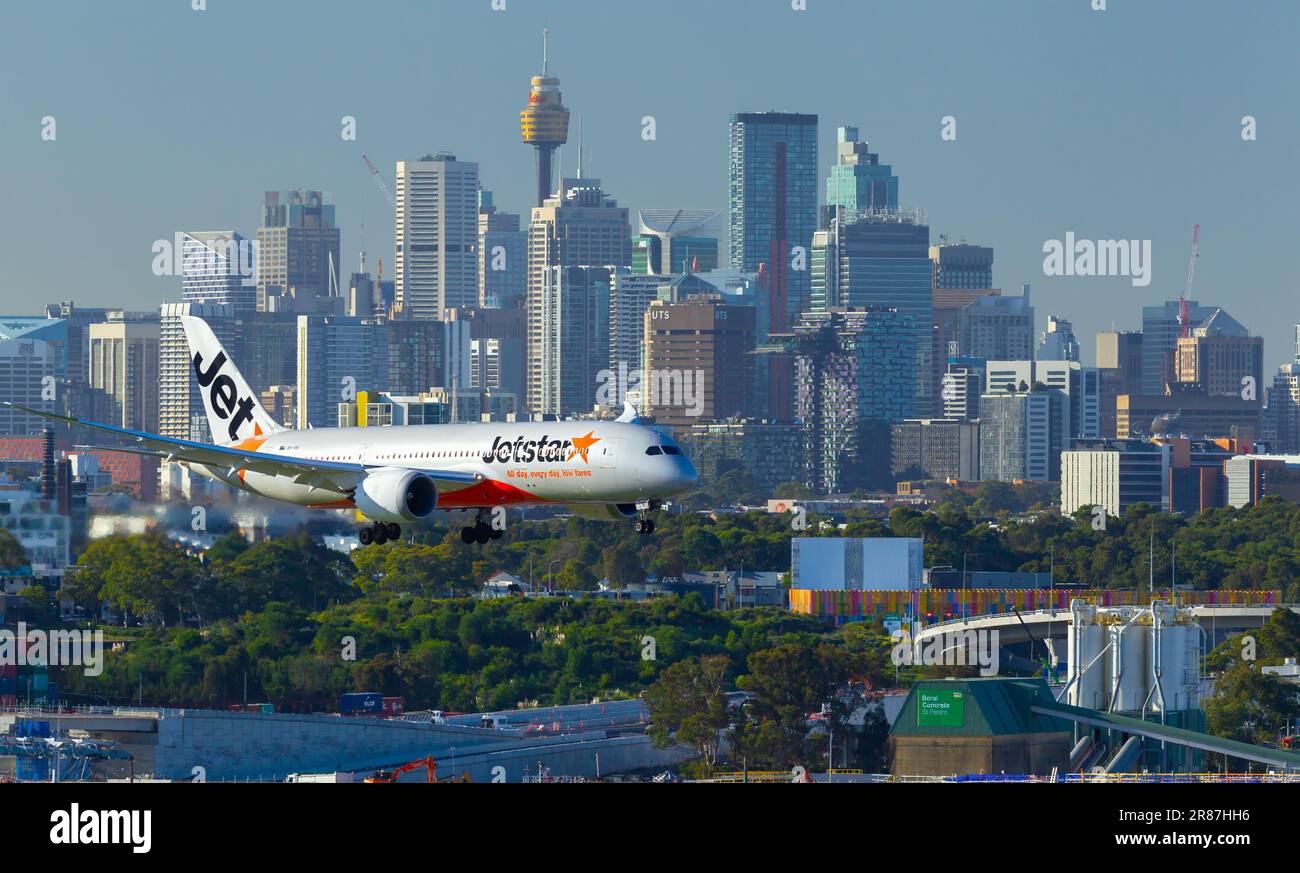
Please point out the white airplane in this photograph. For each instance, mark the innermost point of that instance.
(607, 470)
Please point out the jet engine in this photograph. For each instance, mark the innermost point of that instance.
(395, 495)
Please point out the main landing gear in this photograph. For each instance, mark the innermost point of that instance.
(380, 533)
(480, 531)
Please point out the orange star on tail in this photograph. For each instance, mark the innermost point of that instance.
(581, 445)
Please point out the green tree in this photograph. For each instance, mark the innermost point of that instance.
(688, 706)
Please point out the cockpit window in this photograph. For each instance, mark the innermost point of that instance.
(653, 450)
(672, 450)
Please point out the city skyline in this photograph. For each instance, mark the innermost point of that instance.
(1142, 146)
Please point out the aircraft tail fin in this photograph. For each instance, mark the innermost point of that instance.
(234, 413)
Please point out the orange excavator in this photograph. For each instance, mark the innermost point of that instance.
(428, 763)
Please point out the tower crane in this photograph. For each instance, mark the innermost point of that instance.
(379, 180)
(1183, 327)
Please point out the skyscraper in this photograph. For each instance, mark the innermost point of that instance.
(180, 408)
(578, 227)
(1119, 361)
(1058, 343)
(297, 252)
(544, 123)
(630, 296)
(502, 256)
(773, 204)
(30, 371)
(572, 318)
(436, 235)
(880, 259)
(219, 267)
(124, 365)
(858, 181)
(338, 357)
(699, 361)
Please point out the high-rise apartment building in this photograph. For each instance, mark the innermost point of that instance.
(935, 448)
(124, 366)
(436, 235)
(854, 375)
(181, 412)
(1022, 434)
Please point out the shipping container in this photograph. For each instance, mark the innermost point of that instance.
(362, 703)
(394, 705)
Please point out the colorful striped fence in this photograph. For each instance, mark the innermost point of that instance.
(934, 605)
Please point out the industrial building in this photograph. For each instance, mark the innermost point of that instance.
(847, 563)
(961, 726)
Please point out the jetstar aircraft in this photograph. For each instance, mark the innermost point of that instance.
(608, 470)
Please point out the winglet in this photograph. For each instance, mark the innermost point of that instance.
(629, 415)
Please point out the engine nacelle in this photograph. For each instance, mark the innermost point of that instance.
(396, 495)
(604, 511)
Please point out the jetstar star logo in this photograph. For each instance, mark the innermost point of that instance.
(581, 445)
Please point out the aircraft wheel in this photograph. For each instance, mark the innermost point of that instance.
(381, 535)
(393, 531)
(467, 535)
(496, 533)
(482, 533)
(365, 536)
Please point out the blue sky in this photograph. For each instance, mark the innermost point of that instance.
(1117, 124)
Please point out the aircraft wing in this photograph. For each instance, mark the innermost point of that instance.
(338, 475)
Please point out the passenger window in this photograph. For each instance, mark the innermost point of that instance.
(672, 450)
(653, 450)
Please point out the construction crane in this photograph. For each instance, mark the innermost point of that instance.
(379, 180)
(1183, 327)
(430, 765)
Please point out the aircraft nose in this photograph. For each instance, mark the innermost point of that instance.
(687, 478)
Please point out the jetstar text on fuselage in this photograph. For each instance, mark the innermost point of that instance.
(544, 450)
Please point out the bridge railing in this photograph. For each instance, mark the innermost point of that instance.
(1065, 612)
